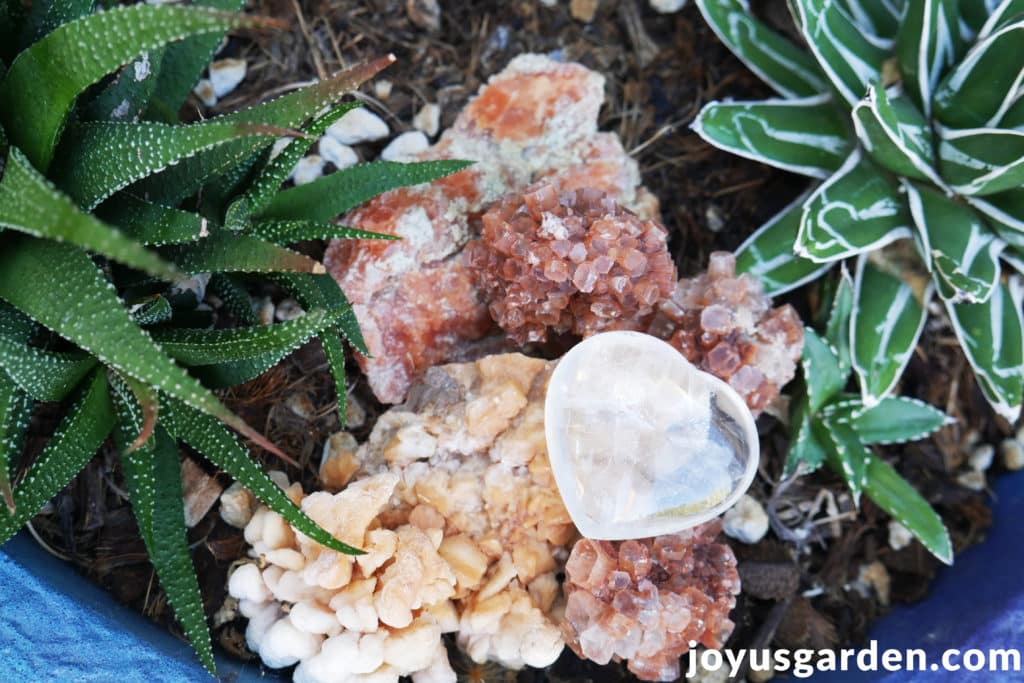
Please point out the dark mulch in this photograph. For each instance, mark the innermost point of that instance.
(660, 70)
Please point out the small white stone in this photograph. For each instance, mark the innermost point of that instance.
(311, 617)
(667, 6)
(264, 310)
(279, 145)
(283, 644)
(746, 521)
(1011, 451)
(246, 583)
(261, 616)
(549, 3)
(308, 169)
(358, 125)
(899, 536)
(428, 119)
(333, 152)
(300, 404)
(1020, 434)
(981, 457)
(204, 90)
(288, 309)
(382, 88)
(226, 74)
(405, 147)
(355, 414)
(973, 480)
(237, 505)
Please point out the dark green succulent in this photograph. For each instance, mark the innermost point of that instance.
(910, 116)
(107, 205)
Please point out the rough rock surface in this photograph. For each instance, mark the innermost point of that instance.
(569, 262)
(646, 600)
(415, 299)
(724, 324)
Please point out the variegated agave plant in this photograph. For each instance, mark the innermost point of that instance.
(834, 428)
(105, 204)
(909, 115)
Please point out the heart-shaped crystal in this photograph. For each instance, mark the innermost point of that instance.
(641, 442)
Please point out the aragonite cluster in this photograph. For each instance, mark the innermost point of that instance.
(551, 261)
(725, 324)
(416, 298)
(646, 600)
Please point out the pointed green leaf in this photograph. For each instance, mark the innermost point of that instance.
(790, 71)
(170, 553)
(975, 14)
(217, 445)
(206, 347)
(334, 194)
(896, 419)
(887, 321)
(46, 15)
(153, 224)
(84, 428)
(991, 336)
(235, 297)
(287, 112)
(806, 453)
(232, 253)
(30, 204)
(1005, 209)
(837, 332)
(152, 312)
(985, 83)
(806, 136)
(15, 413)
(927, 44)
(1002, 13)
(232, 373)
(822, 372)
(958, 245)
(855, 211)
(289, 232)
(323, 292)
(126, 96)
(768, 253)
(44, 375)
(846, 454)
(106, 157)
(895, 495)
(982, 161)
(55, 70)
(880, 17)
(61, 288)
(180, 64)
(136, 463)
(895, 133)
(335, 353)
(268, 182)
(846, 54)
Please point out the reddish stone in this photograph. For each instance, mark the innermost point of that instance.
(688, 590)
(724, 324)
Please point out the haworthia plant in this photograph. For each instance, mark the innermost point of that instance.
(113, 219)
(908, 116)
(835, 428)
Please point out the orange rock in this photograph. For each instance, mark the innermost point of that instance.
(415, 298)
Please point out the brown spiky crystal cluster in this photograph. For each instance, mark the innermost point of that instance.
(646, 600)
(557, 262)
(724, 324)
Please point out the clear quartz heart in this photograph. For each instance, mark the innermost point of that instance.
(641, 442)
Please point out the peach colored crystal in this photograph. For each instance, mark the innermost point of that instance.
(645, 600)
(569, 262)
(415, 298)
(724, 324)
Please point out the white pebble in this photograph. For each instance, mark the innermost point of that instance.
(308, 169)
(333, 152)
(283, 644)
(428, 119)
(279, 145)
(667, 6)
(981, 457)
(899, 536)
(237, 505)
(204, 91)
(405, 147)
(359, 125)
(288, 309)
(226, 74)
(1012, 453)
(382, 88)
(311, 617)
(973, 480)
(746, 521)
(246, 583)
(261, 615)
(1020, 434)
